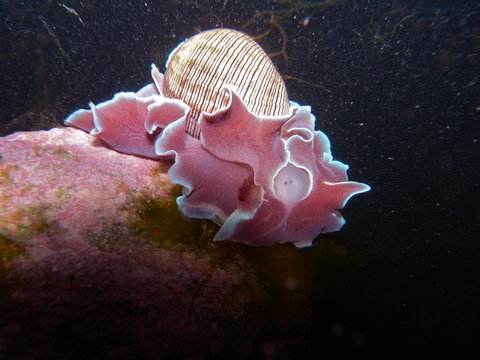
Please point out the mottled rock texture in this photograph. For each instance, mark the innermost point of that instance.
(97, 262)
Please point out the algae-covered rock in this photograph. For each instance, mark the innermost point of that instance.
(97, 261)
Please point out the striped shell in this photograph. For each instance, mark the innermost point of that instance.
(200, 67)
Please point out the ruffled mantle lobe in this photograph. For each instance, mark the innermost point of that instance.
(264, 179)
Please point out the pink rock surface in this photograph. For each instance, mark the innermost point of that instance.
(78, 279)
(81, 181)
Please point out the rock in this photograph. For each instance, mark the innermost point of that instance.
(97, 262)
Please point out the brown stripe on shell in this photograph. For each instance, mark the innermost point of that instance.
(199, 68)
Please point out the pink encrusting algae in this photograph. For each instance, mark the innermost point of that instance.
(80, 257)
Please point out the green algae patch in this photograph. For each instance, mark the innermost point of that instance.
(5, 173)
(37, 150)
(160, 221)
(66, 155)
(25, 222)
(63, 195)
(110, 239)
(162, 169)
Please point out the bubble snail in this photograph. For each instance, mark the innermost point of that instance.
(247, 157)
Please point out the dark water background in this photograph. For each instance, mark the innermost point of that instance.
(399, 100)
